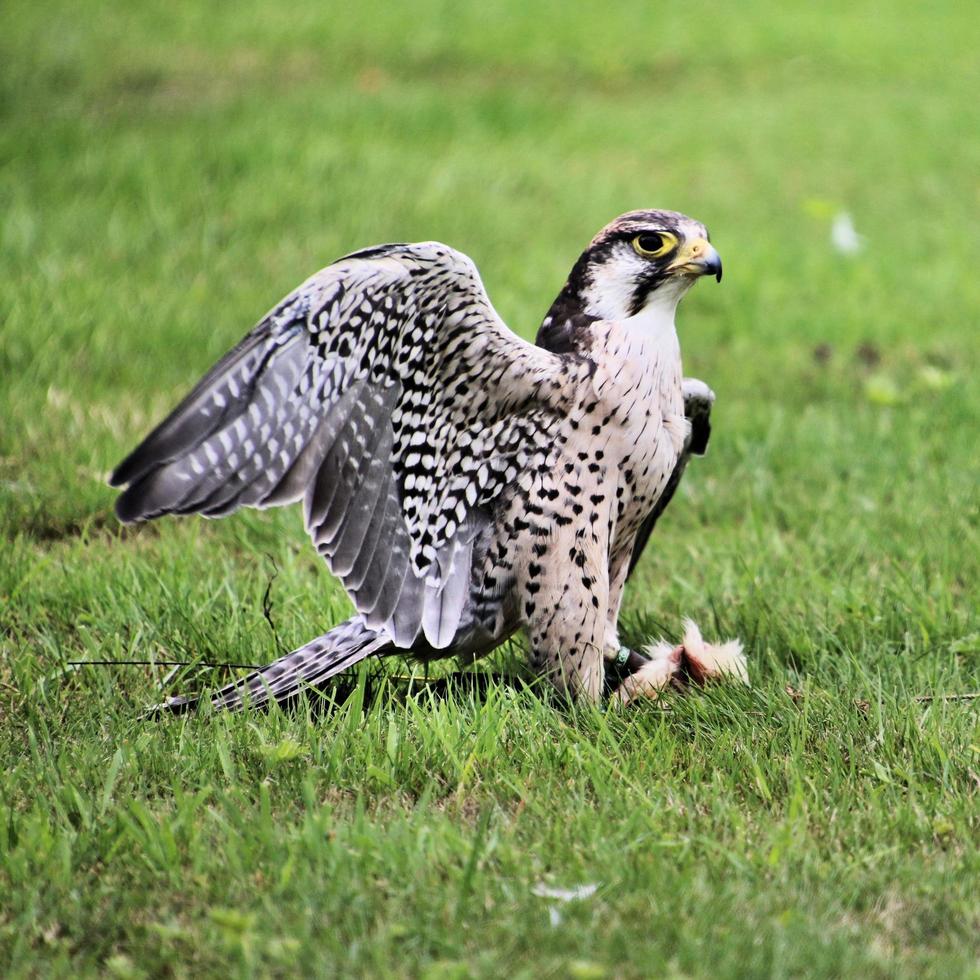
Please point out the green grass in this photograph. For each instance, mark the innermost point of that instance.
(168, 171)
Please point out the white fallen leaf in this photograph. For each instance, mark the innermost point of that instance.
(564, 894)
(844, 236)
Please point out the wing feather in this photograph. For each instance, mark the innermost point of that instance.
(365, 560)
(387, 394)
(345, 548)
(698, 399)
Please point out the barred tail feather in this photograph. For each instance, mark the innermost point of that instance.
(313, 663)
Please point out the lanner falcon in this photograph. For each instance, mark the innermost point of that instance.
(460, 482)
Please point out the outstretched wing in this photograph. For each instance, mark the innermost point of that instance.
(388, 395)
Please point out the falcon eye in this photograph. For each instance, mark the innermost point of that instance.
(653, 244)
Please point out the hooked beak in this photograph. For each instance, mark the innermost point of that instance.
(697, 257)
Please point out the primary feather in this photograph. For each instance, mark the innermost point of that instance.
(364, 394)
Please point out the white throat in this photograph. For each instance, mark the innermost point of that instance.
(653, 343)
(657, 315)
(611, 295)
(647, 341)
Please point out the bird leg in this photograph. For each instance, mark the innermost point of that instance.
(620, 668)
(565, 598)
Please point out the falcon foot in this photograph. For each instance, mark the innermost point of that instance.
(691, 662)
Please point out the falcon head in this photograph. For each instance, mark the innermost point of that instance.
(643, 258)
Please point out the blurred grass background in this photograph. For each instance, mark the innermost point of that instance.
(168, 171)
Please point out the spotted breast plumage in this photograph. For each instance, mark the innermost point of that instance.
(460, 482)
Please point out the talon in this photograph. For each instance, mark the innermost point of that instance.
(655, 674)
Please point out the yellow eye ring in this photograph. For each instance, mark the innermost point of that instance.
(654, 244)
